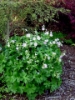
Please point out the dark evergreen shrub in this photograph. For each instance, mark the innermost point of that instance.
(67, 21)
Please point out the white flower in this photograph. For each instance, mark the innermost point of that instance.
(34, 38)
(0, 49)
(8, 44)
(43, 27)
(51, 34)
(35, 54)
(63, 54)
(12, 41)
(44, 66)
(53, 53)
(26, 30)
(50, 43)
(17, 48)
(24, 44)
(17, 45)
(28, 35)
(48, 58)
(46, 32)
(35, 44)
(56, 40)
(59, 44)
(60, 60)
(45, 42)
(38, 38)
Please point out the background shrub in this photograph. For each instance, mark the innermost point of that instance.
(30, 14)
(67, 21)
(71, 5)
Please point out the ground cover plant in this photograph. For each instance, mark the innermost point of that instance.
(31, 64)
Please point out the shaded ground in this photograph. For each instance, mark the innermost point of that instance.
(67, 89)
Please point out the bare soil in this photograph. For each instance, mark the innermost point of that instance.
(67, 88)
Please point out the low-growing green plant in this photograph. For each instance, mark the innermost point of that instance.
(31, 64)
(63, 38)
(0, 96)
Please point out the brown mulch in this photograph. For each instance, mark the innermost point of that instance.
(67, 88)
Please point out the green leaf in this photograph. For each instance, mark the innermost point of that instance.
(55, 84)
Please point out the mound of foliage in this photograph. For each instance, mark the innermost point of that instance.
(31, 64)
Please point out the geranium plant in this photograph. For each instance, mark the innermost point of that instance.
(31, 64)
